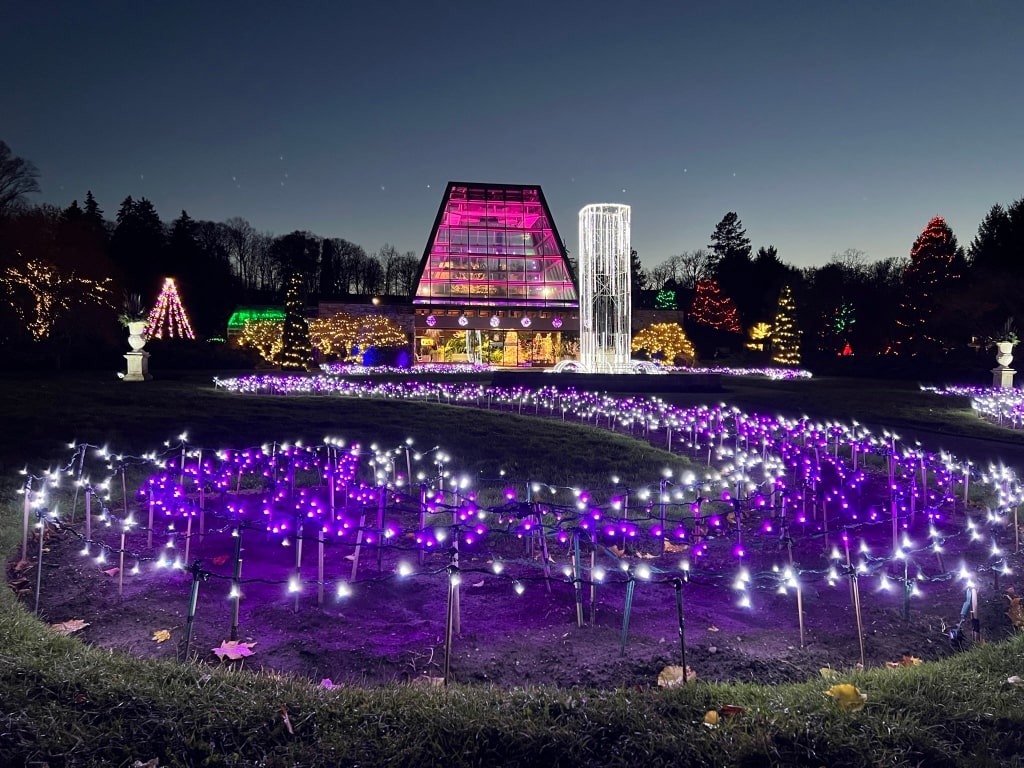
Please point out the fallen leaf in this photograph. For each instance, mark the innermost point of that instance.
(671, 546)
(21, 566)
(162, 635)
(219, 559)
(906, 661)
(828, 673)
(287, 720)
(672, 675)
(69, 626)
(711, 718)
(430, 682)
(1016, 611)
(233, 649)
(479, 583)
(848, 696)
(616, 551)
(713, 628)
(112, 571)
(730, 710)
(154, 763)
(1015, 680)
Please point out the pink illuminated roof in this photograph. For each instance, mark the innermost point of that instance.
(495, 245)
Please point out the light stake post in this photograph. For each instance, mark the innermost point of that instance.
(198, 575)
(39, 561)
(236, 583)
(678, 584)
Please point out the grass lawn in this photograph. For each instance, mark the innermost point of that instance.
(65, 704)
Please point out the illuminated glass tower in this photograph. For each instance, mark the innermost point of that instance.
(604, 288)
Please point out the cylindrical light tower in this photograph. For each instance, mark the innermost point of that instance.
(604, 288)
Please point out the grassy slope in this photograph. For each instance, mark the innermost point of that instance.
(65, 704)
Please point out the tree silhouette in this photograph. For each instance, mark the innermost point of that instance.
(18, 178)
(936, 266)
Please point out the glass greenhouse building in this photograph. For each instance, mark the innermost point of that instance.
(495, 285)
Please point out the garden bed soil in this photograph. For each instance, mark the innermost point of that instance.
(393, 628)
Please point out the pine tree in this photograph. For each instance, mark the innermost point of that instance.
(296, 350)
(730, 238)
(785, 333)
(989, 247)
(711, 308)
(936, 266)
(168, 318)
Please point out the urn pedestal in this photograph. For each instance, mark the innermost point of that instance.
(138, 359)
(1002, 375)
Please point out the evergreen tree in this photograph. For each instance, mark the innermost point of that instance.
(936, 266)
(92, 210)
(785, 332)
(729, 240)
(637, 276)
(731, 264)
(138, 247)
(711, 308)
(296, 350)
(989, 248)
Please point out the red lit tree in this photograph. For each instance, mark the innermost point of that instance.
(711, 308)
(929, 282)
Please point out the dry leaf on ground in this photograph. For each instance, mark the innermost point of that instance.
(233, 649)
(848, 696)
(672, 676)
(69, 626)
(162, 635)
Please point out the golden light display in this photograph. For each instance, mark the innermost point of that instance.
(51, 293)
(667, 341)
(340, 335)
(760, 334)
(264, 336)
(785, 334)
(343, 333)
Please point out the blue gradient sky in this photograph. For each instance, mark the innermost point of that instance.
(824, 125)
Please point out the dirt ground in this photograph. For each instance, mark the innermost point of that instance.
(393, 628)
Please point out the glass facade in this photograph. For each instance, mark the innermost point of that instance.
(495, 245)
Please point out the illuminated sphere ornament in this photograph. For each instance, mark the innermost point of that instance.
(605, 288)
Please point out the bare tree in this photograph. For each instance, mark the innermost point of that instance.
(18, 178)
(407, 270)
(693, 266)
(241, 237)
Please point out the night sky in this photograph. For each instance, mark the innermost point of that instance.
(824, 125)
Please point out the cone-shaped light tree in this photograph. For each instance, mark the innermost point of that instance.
(296, 350)
(711, 308)
(785, 333)
(168, 317)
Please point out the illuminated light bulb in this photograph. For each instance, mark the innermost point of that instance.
(404, 569)
(233, 593)
(643, 571)
(293, 585)
(497, 566)
(744, 601)
(597, 574)
(344, 590)
(518, 587)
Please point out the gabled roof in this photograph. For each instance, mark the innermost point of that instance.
(495, 245)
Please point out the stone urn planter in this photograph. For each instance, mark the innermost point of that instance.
(137, 335)
(1002, 374)
(138, 358)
